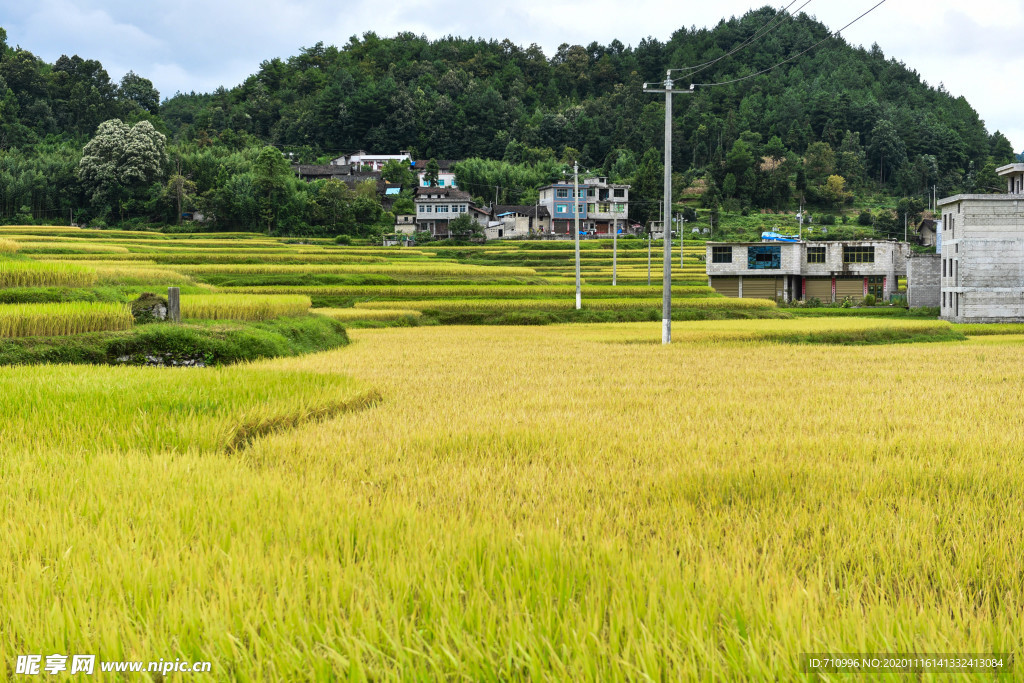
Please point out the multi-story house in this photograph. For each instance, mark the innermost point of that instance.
(436, 207)
(603, 207)
(788, 271)
(981, 244)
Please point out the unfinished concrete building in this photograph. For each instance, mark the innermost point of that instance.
(788, 271)
(982, 253)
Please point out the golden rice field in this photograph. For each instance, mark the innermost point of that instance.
(717, 303)
(56, 319)
(243, 306)
(535, 502)
(434, 503)
(33, 274)
(368, 313)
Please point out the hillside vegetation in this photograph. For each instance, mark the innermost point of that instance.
(834, 126)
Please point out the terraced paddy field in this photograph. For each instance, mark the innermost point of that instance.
(522, 503)
(389, 497)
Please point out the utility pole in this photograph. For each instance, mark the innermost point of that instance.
(904, 226)
(682, 227)
(801, 217)
(650, 233)
(666, 295)
(615, 251)
(576, 212)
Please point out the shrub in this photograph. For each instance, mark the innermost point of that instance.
(870, 300)
(343, 239)
(864, 218)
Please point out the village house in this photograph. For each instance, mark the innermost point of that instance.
(436, 207)
(788, 271)
(982, 248)
(445, 175)
(405, 224)
(603, 207)
(512, 221)
(361, 161)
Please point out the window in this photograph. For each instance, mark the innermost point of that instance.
(619, 208)
(876, 286)
(561, 208)
(442, 208)
(620, 193)
(604, 208)
(582, 208)
(440, 182)
(591, 207)
(858, 254)
(764, 257)
(562, 194)
(816, 254)
(428, 208)
(721, 254)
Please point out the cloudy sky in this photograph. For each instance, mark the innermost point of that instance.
(973, 48)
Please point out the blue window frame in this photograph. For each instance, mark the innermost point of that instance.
(764, 257)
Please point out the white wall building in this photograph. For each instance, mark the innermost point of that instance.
(373, 162)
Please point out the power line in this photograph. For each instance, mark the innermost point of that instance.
(799, 54)
(760, 32)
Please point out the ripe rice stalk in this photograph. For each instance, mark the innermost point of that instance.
(8, 246)
(122, 275)
(440, 269)
(346, 314)
(711, 303)
(35, 274)
(243, 306)
(393, 292)
(50, 320)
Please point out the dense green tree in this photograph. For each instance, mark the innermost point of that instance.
(271, 176)
(139, 91)
(431, 173)
(400, 173)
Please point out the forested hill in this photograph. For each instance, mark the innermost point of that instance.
(455, 98)
(833, 125)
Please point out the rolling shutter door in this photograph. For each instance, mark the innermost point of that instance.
(849, 287)
(726, 286)
(820, 288)
(759, 288)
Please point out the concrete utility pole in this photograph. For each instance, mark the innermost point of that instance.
(801, 217)
(576, 212)
(615, 251)
(682, 227)
(650, 233)
(666, 295)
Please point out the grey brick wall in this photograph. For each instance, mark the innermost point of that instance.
(924, 275)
